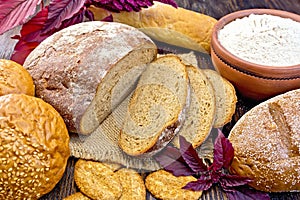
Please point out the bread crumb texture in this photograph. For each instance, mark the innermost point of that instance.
(34, 147)
(267, 144)
(166, 186)
(14, 78)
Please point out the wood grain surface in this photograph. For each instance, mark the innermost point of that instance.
(216, 9)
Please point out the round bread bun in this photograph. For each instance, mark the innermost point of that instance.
(14, 78)
(266, 142)
(34, 147)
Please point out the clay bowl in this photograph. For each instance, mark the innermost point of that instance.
(254, 81)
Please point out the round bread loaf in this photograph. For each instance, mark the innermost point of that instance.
(266, 141)
(34, 147)
(14, 78)
(69, 66)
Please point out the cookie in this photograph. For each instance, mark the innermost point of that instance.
(164, 185)
(77, 196)
(96, 180)
(113, 166)
(132, 184)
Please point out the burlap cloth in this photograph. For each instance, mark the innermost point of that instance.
(102, 144)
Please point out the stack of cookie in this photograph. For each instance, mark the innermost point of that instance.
(108, 181)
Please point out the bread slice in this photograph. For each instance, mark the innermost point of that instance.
(225, 97)
(200, 113)
(266, 141)
(155, 109)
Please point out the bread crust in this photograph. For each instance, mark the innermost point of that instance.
(68, 66)
(267, 143)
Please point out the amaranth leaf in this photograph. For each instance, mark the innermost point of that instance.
(202, 183)
(223, 152)
(30, 36)
(171, 160)
(60, 10)
(247, 193)
(229, 181)
(190, 156)
(14, 13)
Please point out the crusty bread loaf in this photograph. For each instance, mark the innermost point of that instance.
(155, 109)
(165, 23)
(200, 113)
(14, 78)
(266, 141)
(68, 66)
(34, 147)
(225, 97)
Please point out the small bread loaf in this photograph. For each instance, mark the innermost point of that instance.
(165, 23)
(200, 113)
(15, 79)
(77, 196)
(71, 64)
(96, 180)
(266, 141)
(155, 109)
(34, 147)
(225, 97)
(166, 186)
(133, 185)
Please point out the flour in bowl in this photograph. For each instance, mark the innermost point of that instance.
(263, 39)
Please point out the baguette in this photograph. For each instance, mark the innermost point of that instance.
(155, 111)
(266, 141)
(165, 23)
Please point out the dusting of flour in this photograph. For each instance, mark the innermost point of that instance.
(263, 39)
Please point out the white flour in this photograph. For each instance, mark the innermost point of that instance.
(263, 39)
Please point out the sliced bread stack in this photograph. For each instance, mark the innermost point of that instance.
(156, 109)
(162, 108)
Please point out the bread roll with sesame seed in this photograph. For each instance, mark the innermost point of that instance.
(34, 147)
(266, 141)
(14, 78)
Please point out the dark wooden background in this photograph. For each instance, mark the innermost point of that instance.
(216, 9)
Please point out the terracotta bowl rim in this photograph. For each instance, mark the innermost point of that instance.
(246, 66)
